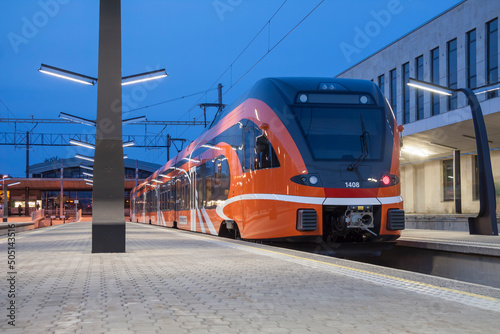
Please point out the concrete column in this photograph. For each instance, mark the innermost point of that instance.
(108, 218)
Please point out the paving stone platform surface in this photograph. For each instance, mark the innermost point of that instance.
(172, 281)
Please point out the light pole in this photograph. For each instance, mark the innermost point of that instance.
(486, 221)
(108, 219)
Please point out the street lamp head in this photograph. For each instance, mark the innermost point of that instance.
(128, 144)
(76, 119)
(486, 88)
(134, 120)
(81, 143)
(86, 167)
(430, 87)
(84, 157)
(136, 78)
(68, 75)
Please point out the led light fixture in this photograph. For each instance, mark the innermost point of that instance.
(88, 174)
(13, 184)
(125, 156)
(81, 143)
(128, 144)
(84, 157)
(153, 75)
(134, 120)
(76, 119)
(86, 167)
(89, 184)
(68, 75)
(486, 89)
(430, 87)
(89, 180)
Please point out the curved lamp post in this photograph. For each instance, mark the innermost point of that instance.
(486, 221)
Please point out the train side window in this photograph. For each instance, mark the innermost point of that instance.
(265, 156)
(248, 147)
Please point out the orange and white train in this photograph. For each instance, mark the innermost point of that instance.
(295, 159)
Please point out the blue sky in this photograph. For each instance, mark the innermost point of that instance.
(194, 40)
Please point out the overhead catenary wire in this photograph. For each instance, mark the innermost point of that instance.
(174, 99)
(275, 45)
(256, 63)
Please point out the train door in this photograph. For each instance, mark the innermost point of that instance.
(193, 197)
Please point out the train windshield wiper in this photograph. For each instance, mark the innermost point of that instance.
(365, 135)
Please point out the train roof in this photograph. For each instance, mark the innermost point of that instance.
(283, 90)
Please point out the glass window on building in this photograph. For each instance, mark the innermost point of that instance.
(492, 55)
(419, 65)
(394, 91)
(435, 80)
(406, 93)
(381, 83)
(471, 59)
(448, 180)
(452, 73)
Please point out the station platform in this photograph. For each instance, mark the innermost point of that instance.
(451, 241)
(172, 281)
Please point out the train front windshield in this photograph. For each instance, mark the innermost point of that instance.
(343, 133)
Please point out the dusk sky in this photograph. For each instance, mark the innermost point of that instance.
(195, 41)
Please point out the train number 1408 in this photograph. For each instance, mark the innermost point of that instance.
(352, 184)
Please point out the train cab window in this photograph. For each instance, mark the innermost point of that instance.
(342, 133)
(265, 156)
(258, 151)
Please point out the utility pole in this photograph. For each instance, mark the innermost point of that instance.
(218, 105)
(168, 147)
(169, 143)
(219, 91)
(27, 154)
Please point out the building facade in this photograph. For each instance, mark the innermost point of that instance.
(45, 187)
(457, 49)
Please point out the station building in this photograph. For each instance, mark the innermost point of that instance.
(457, 49)
(44, 186)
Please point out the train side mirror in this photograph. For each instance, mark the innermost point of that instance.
(400, 130)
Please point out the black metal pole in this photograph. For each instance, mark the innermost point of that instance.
(457, 180)
(168, 147)
(486, 221)
(27, 154)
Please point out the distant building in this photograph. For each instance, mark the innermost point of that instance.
(43, 188)
(458, 49)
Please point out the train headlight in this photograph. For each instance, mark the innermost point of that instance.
(313, 179)
(303, 98)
